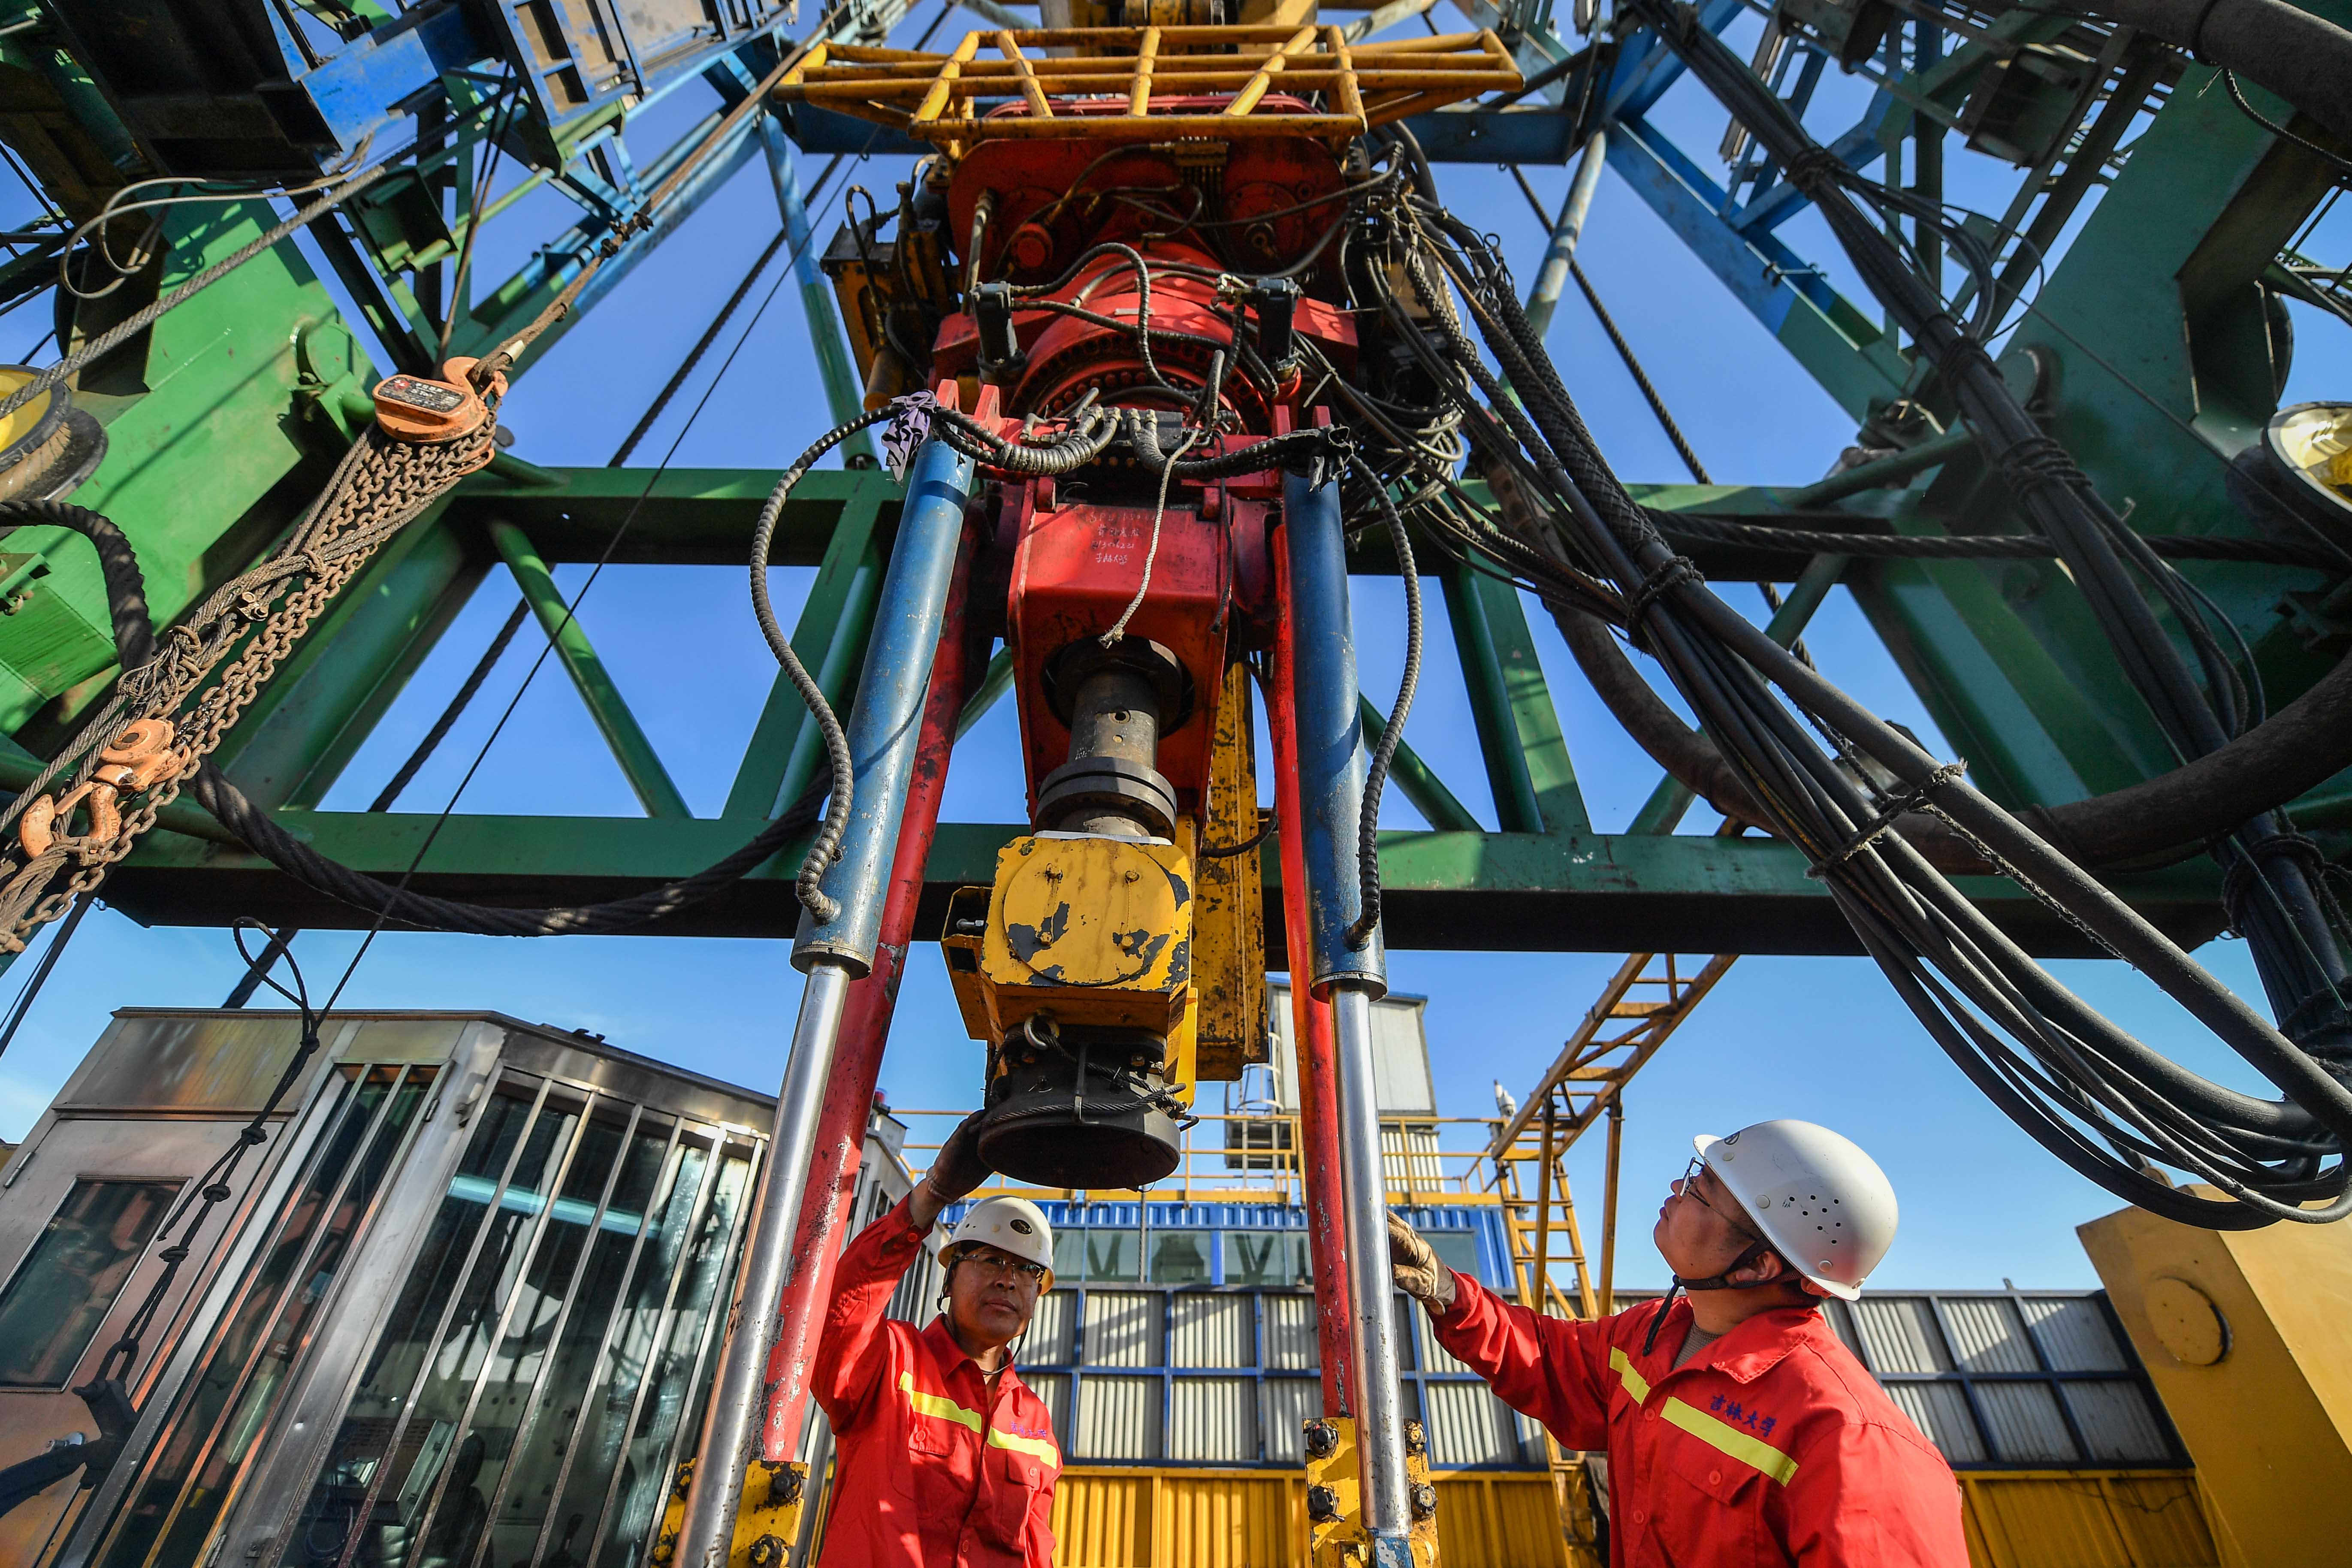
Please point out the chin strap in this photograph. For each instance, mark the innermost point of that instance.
(1721, 1281)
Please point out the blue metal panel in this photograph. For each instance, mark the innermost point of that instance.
(366, 87)
(1520, 134)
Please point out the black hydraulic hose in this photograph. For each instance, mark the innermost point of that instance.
(2295, 948)
(2304, 58)
(2077, 1060)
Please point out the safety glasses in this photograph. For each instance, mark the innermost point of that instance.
(1688, 1186)
(1002, 1266)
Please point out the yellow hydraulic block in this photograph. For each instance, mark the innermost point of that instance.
(2246, 1336)
(1335, 1515)
(766, 1524)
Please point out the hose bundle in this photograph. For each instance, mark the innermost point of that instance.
(1834, 780)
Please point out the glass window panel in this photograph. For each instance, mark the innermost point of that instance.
(1115, 1255)
(672, 1388)
(1457, 1249)
(621, 1371)
(1180, 1257)
(67, 1283)
(504, 1393)
(538, 1467)
(1277, 1258)
(241, 1329)
(375, 1451)
(469, 1352)
(1069, 1255)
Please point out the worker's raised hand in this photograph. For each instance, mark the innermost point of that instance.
(958, 1169)
(1418, 1272)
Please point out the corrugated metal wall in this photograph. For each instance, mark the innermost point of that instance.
(1257, 1518)
(2003, 1378)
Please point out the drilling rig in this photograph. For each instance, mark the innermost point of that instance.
(1167, 330)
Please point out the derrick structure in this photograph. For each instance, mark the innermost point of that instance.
(1173, 333)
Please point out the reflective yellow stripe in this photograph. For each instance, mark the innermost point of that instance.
(1731, 1440)
(1715, 1433)
(948, 1410)
(1635, 1383)
(935, 1404)
(1035, 1447)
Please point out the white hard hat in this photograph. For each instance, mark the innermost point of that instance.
(1822, 1203)
(1010, 1224)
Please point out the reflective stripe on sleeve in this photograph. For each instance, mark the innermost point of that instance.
(1720, 1436)
(937, 1404)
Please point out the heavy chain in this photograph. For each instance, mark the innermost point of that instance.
(170, 713)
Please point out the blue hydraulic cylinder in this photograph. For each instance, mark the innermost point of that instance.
(886, 716)
(1331, 738)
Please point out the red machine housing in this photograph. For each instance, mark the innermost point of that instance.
(1078, 552)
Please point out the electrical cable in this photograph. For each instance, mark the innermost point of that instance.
(31, 989)
(1368, 819)
(2104, 1102)
(484, 173)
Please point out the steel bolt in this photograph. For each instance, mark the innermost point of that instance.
(783, 1487)
(1414, 1443)
(1425, 1501)
(766, 1552)
(1322, 1440)
(1322, 1504)
(1134, 876)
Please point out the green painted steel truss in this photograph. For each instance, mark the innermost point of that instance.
(1546, 882)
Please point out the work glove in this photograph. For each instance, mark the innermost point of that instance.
(958, 1170)
(1418, 1272)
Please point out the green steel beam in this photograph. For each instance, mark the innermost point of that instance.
(675, 517)
(1509, 892)
(1527, 761)
(639, 762)
(994, 683)
(830, 639)
(1415, 780)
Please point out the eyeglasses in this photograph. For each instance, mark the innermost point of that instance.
(1688, 1187)
(1003, 1266)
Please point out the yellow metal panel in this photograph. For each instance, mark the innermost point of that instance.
(2085, 1519)
(1103, 1519)
(1229, 919)
(2270, 1423)
(1252, 1520)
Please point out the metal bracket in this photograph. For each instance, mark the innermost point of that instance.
(1335, 1529)
(765, 1526)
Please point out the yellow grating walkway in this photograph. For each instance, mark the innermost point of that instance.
(1121, 95)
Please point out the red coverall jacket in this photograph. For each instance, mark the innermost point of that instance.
(930, 1474)
(1773, 1445)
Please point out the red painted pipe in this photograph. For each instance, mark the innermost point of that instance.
(1318, 1082)
(865, 1027)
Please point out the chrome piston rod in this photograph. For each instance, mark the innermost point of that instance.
(884, 725)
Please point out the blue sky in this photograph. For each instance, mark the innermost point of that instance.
(1820, 1038)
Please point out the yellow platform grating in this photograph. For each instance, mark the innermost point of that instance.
(1122, 83)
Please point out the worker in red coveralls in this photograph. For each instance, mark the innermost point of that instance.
(945, 1458)
(1740, 1428)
